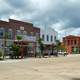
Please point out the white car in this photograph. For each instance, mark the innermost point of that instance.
(62, 53)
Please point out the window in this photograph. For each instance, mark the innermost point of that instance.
(75, 42)
(43, 37)
(71, 42)
(18, 32)
(55, 38)
(24, 32)
(32, 34)
(21, 28)
(47, 37)
(68, 42)
(10, 34)
(37, 34)
(2, 32)
(51, 38)
(72, 49)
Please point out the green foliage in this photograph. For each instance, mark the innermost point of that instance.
(58, 43)
(15, 49)
(41, 46)
(59, 46)
(19, 37)
(63, 49)
(40, 41)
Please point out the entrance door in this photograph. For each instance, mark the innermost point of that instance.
(26, 51)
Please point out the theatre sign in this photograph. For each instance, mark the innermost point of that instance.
(29, 38)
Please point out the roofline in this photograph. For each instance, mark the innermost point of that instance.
(20, 21)
(71, 36)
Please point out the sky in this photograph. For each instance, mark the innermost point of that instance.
(61, 15)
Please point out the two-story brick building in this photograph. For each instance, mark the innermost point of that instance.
(72, 44)
(29, 33)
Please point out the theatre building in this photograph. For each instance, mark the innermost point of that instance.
(49, 37)
(72, 44)
(29, 34)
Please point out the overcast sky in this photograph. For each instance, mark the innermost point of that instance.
(62, 15)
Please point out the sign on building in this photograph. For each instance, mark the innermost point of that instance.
(30, 38)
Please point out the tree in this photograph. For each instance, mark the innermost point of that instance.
(58, 45)
(19, 37)
(41, 47)
(15, 49)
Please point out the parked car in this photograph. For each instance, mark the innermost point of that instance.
(64, 53)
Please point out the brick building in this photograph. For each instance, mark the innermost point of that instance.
(29, 33)
(72, 44)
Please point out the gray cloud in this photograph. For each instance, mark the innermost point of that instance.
(59, 14)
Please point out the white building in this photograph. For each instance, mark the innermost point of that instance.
(49, 35)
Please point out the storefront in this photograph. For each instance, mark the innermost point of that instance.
(76, 50)
(29, 48)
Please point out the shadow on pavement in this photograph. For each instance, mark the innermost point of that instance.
(75, 78)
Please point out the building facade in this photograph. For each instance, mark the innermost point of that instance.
(72, 44)
(49, 37)
(13, 28)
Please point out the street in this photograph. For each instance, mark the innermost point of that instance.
(54, 68)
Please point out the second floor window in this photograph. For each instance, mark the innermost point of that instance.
(32, 34)
(43, 37)
(47, 37)
(51, 38)
(55, 38)
(75, 42)
(68, 42)
(71, 42)
(10, 34)
(18, 32)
